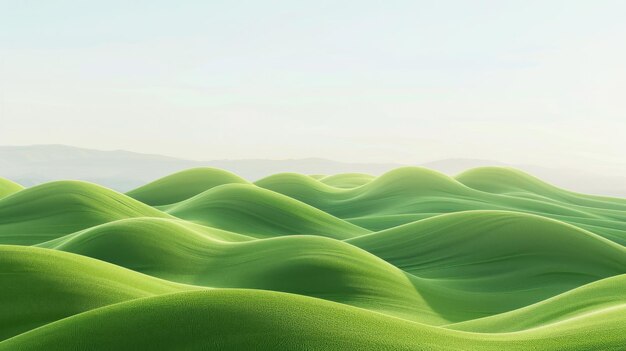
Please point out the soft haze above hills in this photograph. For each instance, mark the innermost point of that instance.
(123, 170)
(536, 82)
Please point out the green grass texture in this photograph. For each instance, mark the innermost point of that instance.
(491, 259)
(8, 187)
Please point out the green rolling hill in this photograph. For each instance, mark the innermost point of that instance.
(247, 319)
(40, 286)
(306, 265)
(408, 194)
(183, 185)
(503, 180)
(597, 297)
(8, 187)
(347, 180)
(254, 211)
(492, 259)
(509, 259)
(50, 210)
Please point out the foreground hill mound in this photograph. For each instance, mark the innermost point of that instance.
(40, 286)
(248, 319)
(183, 185)
(250, 210)
(50, 210)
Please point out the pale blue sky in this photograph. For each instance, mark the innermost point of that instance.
(541, 82)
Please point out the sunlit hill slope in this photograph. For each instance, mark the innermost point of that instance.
(492, 259)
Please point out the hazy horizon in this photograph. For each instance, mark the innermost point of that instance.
(401, 82)
(148, 153)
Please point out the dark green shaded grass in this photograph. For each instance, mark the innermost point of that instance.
(510, 259)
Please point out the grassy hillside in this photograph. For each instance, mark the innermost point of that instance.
(509, 180)
(306, 265)
(604, 295)
(513, 259)
(493, 259)
(347, 180)
(8, 187)
(408, 194)
(183, 185)
(254, 211)
(41, 286)
(248, 319)
(50, 210)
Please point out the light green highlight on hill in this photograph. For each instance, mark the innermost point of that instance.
(492, 259)
(8, 187)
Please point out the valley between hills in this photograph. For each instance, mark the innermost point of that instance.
(490, 259)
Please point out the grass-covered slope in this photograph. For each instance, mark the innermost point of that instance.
(257, 320)
(39, 286)
(506, 180)
(254, 211)
(183, 185)
(347, 180)
(603, 295)
(492, 259)
(8, 187)
(408, 194)
(50, 210)
(306, 265)
(471, 279)
(386, 194)
(507, 260)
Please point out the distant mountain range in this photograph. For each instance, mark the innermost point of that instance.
(124, 170)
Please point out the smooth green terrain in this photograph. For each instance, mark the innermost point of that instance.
(254, 211)
(8, 187)
(50, 210)
(347, 180)
(492, 259)
(183, 185)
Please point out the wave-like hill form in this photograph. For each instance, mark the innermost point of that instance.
(183, 185)
(408, 194)
(489, 281)
(250, 210)
(408, 190)
(492, 259)
(347, 180)
(525, 258)
(41, 286)
(8, 187)
(382, 194)
(50, 210)
(305, 265)
(244, 320)
(506, 180)
(597, 297)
